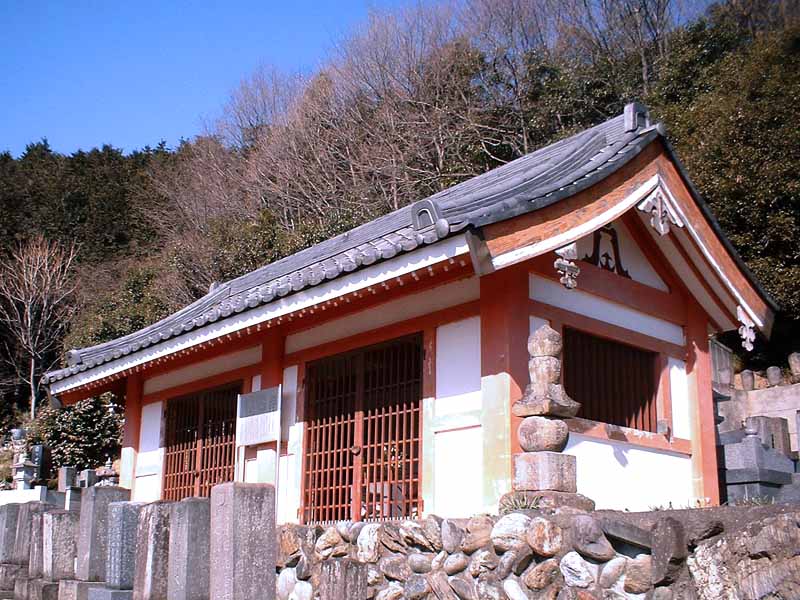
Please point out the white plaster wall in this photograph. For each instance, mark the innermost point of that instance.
(150, 460)
(582, 303)
(201, 370)
(633, 259)
(444, 296)
(679, 394)
(290, 464)
(455, 447)
(621, 476)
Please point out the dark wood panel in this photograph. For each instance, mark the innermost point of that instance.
(615, 383)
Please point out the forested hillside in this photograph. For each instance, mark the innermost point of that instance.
(410, 103)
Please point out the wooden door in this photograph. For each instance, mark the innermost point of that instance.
(200, 442)
(362, 457)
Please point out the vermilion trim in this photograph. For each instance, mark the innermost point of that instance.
(616, 433)
(133, 412)
(505, 327)
(618, 289)
(699, 364)
(606, 330)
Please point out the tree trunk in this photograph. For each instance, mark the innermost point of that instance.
(33, 387)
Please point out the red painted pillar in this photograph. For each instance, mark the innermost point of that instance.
(131, 429)
(504, 333)
(698, 365)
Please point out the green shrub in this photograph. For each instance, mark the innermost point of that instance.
(83, 435)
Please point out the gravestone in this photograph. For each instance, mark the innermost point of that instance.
(9, 514)
(243, 550)
(93, 536)
(152, 552)
(123, 525)
(23, 537)
(60, 531)
(189, 547)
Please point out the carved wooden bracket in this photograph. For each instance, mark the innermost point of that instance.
(662, 214)
(747, 330)
(566, 266)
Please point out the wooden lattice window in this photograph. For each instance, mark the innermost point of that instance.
(362, 458)
(615, 383)
(200, 442)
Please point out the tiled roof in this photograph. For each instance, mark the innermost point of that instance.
(521, 186)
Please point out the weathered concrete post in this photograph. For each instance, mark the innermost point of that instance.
(243, 541)
(189, 548)
(123, 525)
(343, 578)
(152, 552)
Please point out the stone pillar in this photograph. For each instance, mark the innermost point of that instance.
(243, 541)
(123, 525)
(152, 552)
(23, 537)
(189, 548)
(541, 470)
(60, 546)
(343, 578)
(93, 536)
(9, 515)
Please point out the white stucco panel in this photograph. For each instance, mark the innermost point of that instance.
(681, 404)
(394, 311)
(458, 367)
(620, 476)
(458, 466)
(583, 303)
(631, 256)
(201, 370)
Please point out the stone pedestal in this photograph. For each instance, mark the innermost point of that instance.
(41, 589)
(243, 544)
(545, 471)
(72, 589)
(110, 594)
(93, 536)
(152, 552)
(189, 548)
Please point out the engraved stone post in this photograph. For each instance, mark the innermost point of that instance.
(93, 537)
(123, 525)
(189, 547)
(60, 544)
(9, 571)
(152, 552)
(243, 541)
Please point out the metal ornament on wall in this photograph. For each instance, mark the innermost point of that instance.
(747, 330)
(605, 260)
(566, 266)
(662, 214)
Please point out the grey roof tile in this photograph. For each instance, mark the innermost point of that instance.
(527, 184)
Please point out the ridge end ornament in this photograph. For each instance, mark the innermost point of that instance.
(566, 267)
(662, 215)
(747, 330)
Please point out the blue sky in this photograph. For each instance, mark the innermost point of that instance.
(132, 73)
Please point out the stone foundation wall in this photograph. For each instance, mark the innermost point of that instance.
(556, 554)
(227, 548)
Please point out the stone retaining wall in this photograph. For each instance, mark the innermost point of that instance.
(555, 554)
(227, 548)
